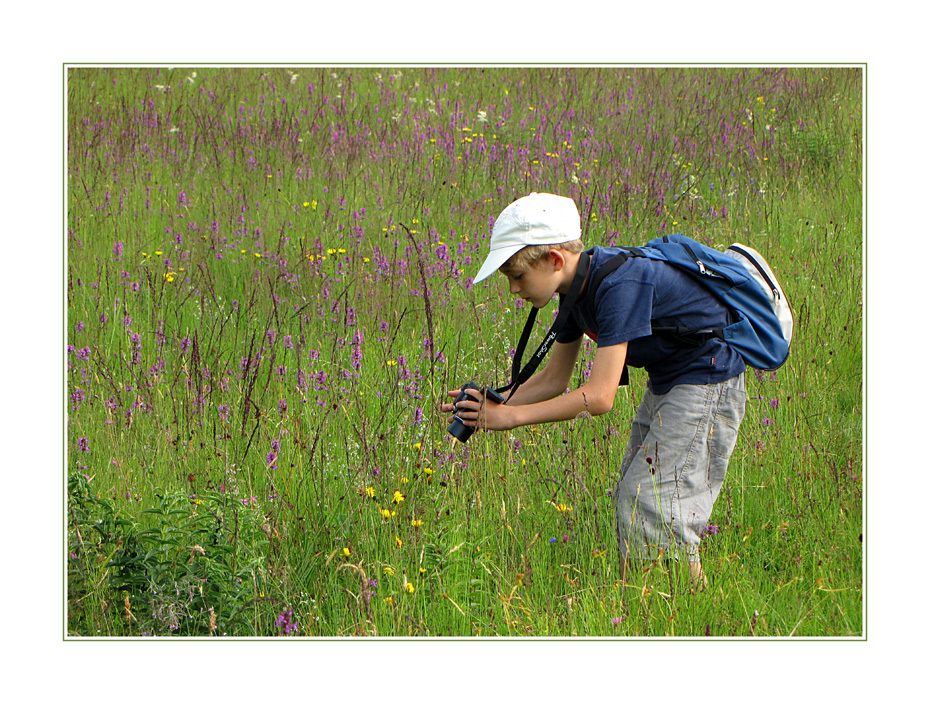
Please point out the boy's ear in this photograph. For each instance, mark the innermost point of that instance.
(557, 257)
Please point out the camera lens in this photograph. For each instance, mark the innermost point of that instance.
(457, 428)
(460, 431)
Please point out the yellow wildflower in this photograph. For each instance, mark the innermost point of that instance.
(346, 552)
(416, 523)
(398, 498)
(398, 543)
(410, 588)
(370, 491)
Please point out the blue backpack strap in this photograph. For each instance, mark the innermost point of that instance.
(611, 265)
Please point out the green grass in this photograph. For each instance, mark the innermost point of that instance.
(267, 298)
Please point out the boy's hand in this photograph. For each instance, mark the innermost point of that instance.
(480, 412)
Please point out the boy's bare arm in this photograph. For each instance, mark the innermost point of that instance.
(595, 397)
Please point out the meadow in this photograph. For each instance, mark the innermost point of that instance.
(269, 291)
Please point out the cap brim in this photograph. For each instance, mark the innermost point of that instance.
(496, 259)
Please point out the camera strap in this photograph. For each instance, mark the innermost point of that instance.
(566, 302)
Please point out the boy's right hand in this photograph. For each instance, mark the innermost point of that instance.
(477, 412)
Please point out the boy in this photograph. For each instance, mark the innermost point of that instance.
(687, 423)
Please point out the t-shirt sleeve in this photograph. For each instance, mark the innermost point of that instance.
(623, 310)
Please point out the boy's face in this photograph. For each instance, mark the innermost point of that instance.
(537, 283)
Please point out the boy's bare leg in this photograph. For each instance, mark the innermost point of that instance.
(698, 578)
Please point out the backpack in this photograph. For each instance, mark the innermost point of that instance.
(741, 279)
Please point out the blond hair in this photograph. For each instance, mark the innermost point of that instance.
(532, 253)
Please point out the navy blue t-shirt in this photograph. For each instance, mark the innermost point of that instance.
(643, 293)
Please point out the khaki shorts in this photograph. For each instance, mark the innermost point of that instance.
(674, 467)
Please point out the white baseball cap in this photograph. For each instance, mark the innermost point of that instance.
(539, 218)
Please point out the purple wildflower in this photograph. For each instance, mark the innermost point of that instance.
(285, 622)
(357, 340)
(77, 398)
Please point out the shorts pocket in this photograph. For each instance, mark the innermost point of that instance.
(729, 416)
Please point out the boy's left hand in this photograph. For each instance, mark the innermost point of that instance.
(480, 412)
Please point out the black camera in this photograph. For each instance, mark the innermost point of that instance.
(457, 428)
